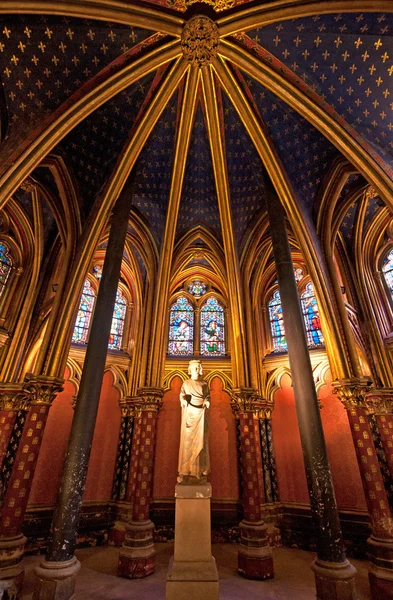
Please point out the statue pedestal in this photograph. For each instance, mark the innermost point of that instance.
(192, 572)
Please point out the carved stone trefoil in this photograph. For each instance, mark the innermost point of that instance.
(199, 40)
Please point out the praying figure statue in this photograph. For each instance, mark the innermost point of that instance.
(194, 461)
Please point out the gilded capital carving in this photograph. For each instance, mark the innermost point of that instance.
(14, 397)
(28, 185)
(248, 400)
(379, 401)
(148, 398)
(42, 389)
(352, 391)
(218, 5)
(199, 40)
(370, 193)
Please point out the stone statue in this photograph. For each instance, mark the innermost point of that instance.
(194, 461)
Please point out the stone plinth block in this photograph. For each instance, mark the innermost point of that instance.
(380, 575)
(56, 580)
(334, 581)
(137, 556)
(192, 573)
(255, 560)
(11, 561)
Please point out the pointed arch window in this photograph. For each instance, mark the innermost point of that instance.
(212, 328)
(311, 317)
(277, 324)
(83, 319)
(5, 265)
(181, 328)
(119, 316)
(387, 269)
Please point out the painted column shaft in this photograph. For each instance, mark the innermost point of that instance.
(19, 485)
(67, 513)
(323, 504)
(252, 467)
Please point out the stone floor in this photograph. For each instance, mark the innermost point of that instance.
(293, 578)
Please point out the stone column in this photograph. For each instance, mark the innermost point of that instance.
(352, 393)
(334, 575)
(137, 556)
(56, 574)
(13, 398)
(39, 392)
(255, 559)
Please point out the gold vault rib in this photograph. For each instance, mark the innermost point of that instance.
(157, 353)
(122, 170)
(53, 133)
(232, 263)
(283, 188)
(146, 17)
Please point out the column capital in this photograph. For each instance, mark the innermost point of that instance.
(380, 401)
(352, 391)
(248, 400)
(13, 396)
(42, 389)
(127, 405)
(148, 398)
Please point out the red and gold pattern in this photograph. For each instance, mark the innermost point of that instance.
(374, 489)
(252, 466)
(12, 399)
(18, 490)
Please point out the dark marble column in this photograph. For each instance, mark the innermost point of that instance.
(137, 556)
(255, 559)
(334, 575)
(56, 575)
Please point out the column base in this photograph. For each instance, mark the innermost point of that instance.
(255, 560)
(334, 581)
(192, 580)
(56, 580)
(12, 571)
(380, 553)
(137, 556)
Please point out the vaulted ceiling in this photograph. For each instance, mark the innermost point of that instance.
(294, 88)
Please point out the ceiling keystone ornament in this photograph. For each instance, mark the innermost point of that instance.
(199, 40)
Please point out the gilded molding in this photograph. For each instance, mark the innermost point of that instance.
(104, 10)
(42, 389)
(352, 391)
(147, 399)
(282, 10)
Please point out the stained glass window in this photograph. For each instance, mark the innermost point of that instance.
(212, 328)
(277, 324)
(5, 265)
(181, 328)
(82, 324)
(387, 269)
(197, 288)
(311, 316)
(119, 315)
